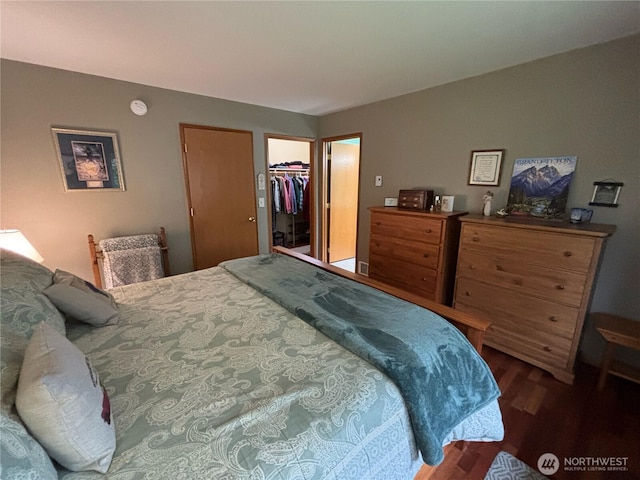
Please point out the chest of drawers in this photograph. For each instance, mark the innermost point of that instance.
(533, 281)
(415, 251)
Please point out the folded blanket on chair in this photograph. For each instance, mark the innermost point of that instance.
(122, 267)
(126, 243)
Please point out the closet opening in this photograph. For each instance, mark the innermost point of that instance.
(290, 192)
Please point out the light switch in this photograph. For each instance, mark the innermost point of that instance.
(261, 202)
(378, 180)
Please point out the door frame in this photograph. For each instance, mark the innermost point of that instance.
(185, 168)
(312, 176)
(324, 224)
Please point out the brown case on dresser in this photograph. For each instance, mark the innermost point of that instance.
(533, 281)
(415, 199)
(415, 251)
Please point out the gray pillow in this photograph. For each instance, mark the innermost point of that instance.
(62, 402)
(82, 300)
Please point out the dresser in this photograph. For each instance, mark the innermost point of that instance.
(533, 280)
(415, 250)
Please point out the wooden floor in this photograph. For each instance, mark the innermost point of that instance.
(543, 415)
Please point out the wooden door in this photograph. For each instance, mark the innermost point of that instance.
(343, 200)
(218, 165)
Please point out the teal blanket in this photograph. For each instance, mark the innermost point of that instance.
(442, 378)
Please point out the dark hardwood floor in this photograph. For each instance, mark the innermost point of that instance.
(542, 415)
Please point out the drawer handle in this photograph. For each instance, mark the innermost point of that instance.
(472, 267)
(425, 255)
(475, 239)
(567, 254)
(499, 268)
(378, 223)
(547, 349)
(560, 287)
(424, 279)
(467, 293)
(428, 230)
(553, 319)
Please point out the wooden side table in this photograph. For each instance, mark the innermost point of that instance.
(617, 331)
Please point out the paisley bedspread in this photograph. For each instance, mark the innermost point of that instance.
(209, 379)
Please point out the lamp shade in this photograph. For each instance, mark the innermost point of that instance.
(15, 241)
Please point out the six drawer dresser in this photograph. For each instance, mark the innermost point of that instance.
(415, 250)
(532, 279)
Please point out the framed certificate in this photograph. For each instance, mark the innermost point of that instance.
(485, 167)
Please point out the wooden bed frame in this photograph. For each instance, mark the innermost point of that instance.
(472, 327)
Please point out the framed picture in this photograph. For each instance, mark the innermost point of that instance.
(485, 167)
(88, 160)
(447, 203)
(540, 186)
(605, 194)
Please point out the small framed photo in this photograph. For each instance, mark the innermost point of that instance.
(485, 167)
(88, 160)
(447, 203)
(605, 194)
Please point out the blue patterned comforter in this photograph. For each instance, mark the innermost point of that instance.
(442, 378)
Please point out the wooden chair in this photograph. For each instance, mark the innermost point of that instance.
(97, 255)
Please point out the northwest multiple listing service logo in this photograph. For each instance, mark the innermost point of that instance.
(548, 464)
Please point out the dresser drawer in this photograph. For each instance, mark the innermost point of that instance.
(524, 342)
(404, 275)
(418, 253)
(541, 248)
(420, 229)
(520, 313)
(550, 352)
(556, 285)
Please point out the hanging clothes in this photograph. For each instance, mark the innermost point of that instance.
(287, 193)
(306, 196)
(290, 210)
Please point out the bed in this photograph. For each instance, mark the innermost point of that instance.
(237, 372)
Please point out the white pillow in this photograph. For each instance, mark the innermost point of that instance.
(62, 403)
(82, 300)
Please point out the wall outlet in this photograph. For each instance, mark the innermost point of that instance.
(363, 268)
(378, 180)
(261, 202)
(390, 202)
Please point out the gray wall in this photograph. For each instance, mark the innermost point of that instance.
(584, 103)
(36, 98)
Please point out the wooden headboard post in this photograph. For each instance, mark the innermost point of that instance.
(94, 262)
(165, 251)
(472, 327)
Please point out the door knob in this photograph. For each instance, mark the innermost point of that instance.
(252, 219)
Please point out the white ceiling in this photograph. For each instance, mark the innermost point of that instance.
(308, 57)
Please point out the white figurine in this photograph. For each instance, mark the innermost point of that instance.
(487, 199)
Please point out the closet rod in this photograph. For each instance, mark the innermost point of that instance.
(289, 170)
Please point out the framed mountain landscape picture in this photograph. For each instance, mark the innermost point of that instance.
(540, 186)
